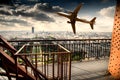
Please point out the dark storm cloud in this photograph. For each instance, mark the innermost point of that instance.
(4, 12)
(43, 17)
(48, 8)
(39, 11)
(11, 22)
(35, 15)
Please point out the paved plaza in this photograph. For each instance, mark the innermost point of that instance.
(90, 70)
(87, 70)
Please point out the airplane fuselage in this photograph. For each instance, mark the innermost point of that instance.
(73, 17)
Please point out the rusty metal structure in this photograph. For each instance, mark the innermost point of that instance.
(114, 62)
(54, 61)
(8, 63)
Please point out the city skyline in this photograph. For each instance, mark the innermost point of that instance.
(44, 18)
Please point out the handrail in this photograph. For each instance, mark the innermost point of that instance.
(63, 48)
(83, 48)
(20, 49)
(37, 40)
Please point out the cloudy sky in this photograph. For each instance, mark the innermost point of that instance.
(44, 18)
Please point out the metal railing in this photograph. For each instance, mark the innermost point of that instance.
(81, 48)
(46, 61)
(51, 59)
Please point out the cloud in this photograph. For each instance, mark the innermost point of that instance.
(5, 10)
(39, 11)
(11, 22)
(48, 8)
(44, 17)
(107, 12)
(22, 16)
(104, 21)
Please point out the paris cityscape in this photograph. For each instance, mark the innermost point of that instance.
(54, 35)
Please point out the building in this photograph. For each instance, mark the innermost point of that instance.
(32, 29)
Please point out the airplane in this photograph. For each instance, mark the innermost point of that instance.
(73, 18)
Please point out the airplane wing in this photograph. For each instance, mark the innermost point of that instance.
(63, 14)
(78, 8)
(73, 27)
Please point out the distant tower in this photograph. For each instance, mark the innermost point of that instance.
(32, 29)
(114, 61)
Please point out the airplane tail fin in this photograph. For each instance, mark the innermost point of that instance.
(92, 22)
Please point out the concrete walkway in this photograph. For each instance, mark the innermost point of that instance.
(87, 70)
(90, 70)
